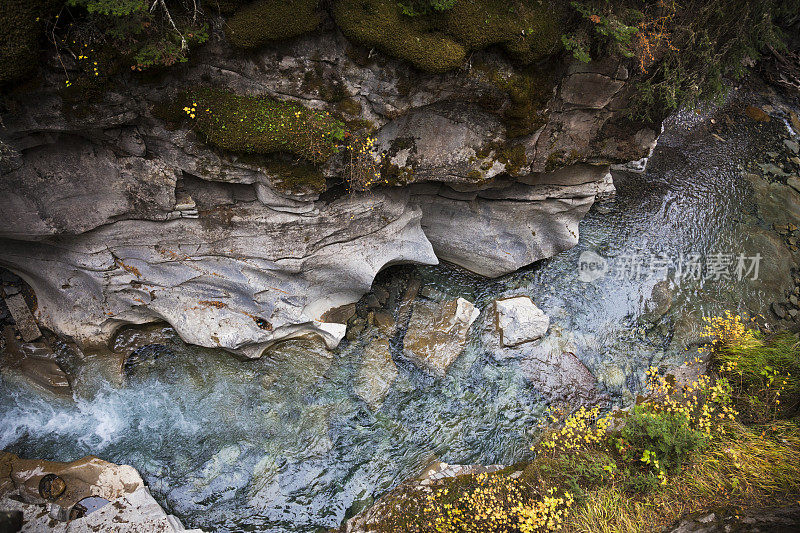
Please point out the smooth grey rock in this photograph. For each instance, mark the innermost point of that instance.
(519, 320)
(590, 89)
(779, 310)
(792, 145)
(501, 230)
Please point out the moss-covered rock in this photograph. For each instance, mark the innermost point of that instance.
(19, 39)
(528, 30)
(263, 21)
(381, 24)
(295, 176)
(439, 41)
(261, 125)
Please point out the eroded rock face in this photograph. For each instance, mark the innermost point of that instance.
(116, 212)
(240, 277)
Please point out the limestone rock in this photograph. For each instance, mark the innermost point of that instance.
(496, 231)
(376, 373)
(437, 334)
(519, 320)
(241, 286)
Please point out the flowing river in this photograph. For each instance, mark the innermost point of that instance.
(283, 444)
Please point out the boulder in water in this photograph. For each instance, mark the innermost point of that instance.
(518, 320)
(437, 334)
(79, 492)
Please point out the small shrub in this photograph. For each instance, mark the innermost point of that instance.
(662, 440)
(763, 372)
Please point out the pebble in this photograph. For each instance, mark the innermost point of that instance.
(779, 310)
(792, 145)
(793, 300)
(793, 313)
(51, 487)
(794, 183)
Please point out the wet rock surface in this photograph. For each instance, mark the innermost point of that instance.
(87, 495)
(518, 320)
(437, 333)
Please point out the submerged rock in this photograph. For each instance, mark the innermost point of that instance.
(437, 333)
(376, 374)
(518, 320)
(553, 367)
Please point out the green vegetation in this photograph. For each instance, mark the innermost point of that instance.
(414, 8)
(437, 40)
(683, 51)
(263, 21)
(684, 448)
(295, 176)
(19, 40)
(258, 124)
(134, 33)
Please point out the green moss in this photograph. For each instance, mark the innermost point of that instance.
(261, 125)
(560, 159)
(263, 21)
(330, 90)
(529, 89)
(350, 106)
(296, 176)
(381, 24)
(527, 30)
(19, 40)
(439, 41)
(513, 157)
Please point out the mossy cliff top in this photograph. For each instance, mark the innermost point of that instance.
(261, 125)
(264, 21)
(440, 41)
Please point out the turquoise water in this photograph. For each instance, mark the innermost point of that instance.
(283, 444)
